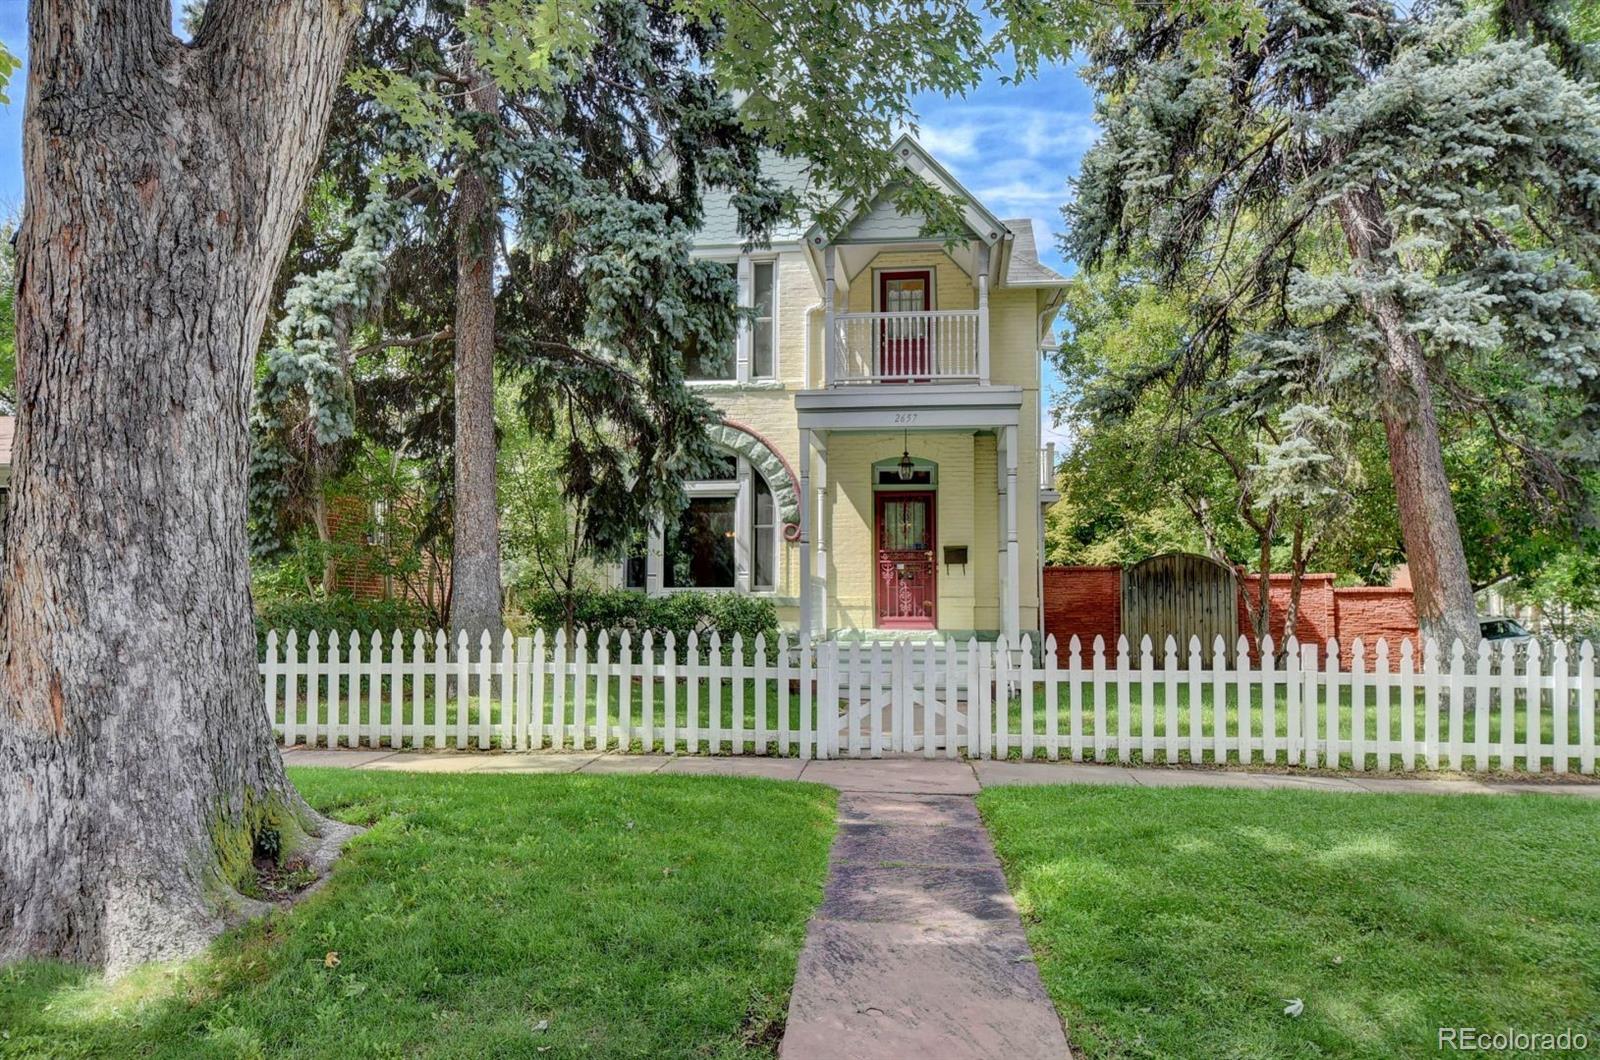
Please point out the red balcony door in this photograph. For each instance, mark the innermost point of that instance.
(903, 352)
(906, 587)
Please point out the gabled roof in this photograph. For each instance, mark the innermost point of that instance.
(720, 227)
(916, 160)
(1024, 269)
(1014, 261)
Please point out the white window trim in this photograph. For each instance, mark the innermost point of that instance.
(749, 298)
(933, 284)
(742, 489)
(744, 340)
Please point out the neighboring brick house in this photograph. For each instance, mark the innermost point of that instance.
(352, 522)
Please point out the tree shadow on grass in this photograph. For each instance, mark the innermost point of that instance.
(1176, 923)
(487, 916)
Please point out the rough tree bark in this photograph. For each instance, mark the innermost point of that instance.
(163, 180)
(1441, 585)
(475, 553)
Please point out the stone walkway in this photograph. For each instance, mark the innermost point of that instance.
(917, 950)
(915, 775)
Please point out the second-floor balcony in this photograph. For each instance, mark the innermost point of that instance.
(939, 346)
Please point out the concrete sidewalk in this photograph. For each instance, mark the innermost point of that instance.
(915, 775)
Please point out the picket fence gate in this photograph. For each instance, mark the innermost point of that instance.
(1527, 709)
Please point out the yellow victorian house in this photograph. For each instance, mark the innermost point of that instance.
(881, 423)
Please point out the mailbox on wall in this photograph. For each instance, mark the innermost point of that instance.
(955, 556)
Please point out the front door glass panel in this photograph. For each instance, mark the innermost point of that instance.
(906, 589)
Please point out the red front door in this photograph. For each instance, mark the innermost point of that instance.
(906, 590)
(903, 338)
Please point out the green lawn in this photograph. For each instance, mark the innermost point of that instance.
(1174, 923)
(489, 916)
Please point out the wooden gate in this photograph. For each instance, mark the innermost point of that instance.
(1180, 595)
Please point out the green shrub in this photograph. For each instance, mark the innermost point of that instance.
(341, 613)
(676, 613)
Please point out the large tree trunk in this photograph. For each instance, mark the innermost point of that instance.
(475, 554)
(1440, 582)
(162, 182)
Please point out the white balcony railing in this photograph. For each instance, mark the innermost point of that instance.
(941, 346)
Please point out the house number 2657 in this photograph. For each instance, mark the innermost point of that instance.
(905, 417)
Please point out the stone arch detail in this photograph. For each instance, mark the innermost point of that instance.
(768, 462)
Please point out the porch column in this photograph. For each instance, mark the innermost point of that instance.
(1000, 525)
(805, 532)
(824, 518)
(830, 333)
(1013, 553)
(981, 253)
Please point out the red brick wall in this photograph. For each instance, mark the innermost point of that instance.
(347, 522)
(1084, 602)
(347, 518)
(1371, 612)
(1314, 622)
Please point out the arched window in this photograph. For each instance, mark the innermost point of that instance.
(726, 537)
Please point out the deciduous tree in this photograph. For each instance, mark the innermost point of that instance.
(137, 767)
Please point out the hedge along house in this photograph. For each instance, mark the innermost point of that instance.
(881, 422)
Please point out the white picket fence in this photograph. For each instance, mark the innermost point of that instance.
(1507, 709)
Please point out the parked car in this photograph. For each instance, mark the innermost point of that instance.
(1500, 628)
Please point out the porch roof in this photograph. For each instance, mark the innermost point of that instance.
(915, 407)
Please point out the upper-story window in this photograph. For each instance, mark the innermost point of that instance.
(702, 362)
(763, 330)
(754, 353)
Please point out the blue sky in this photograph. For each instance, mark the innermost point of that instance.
(14, 32)
(1013, 146)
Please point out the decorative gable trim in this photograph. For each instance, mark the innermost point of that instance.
(984, 225)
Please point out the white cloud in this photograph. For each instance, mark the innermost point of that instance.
(1022, 195)
(1050, 136)
(949, 142)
